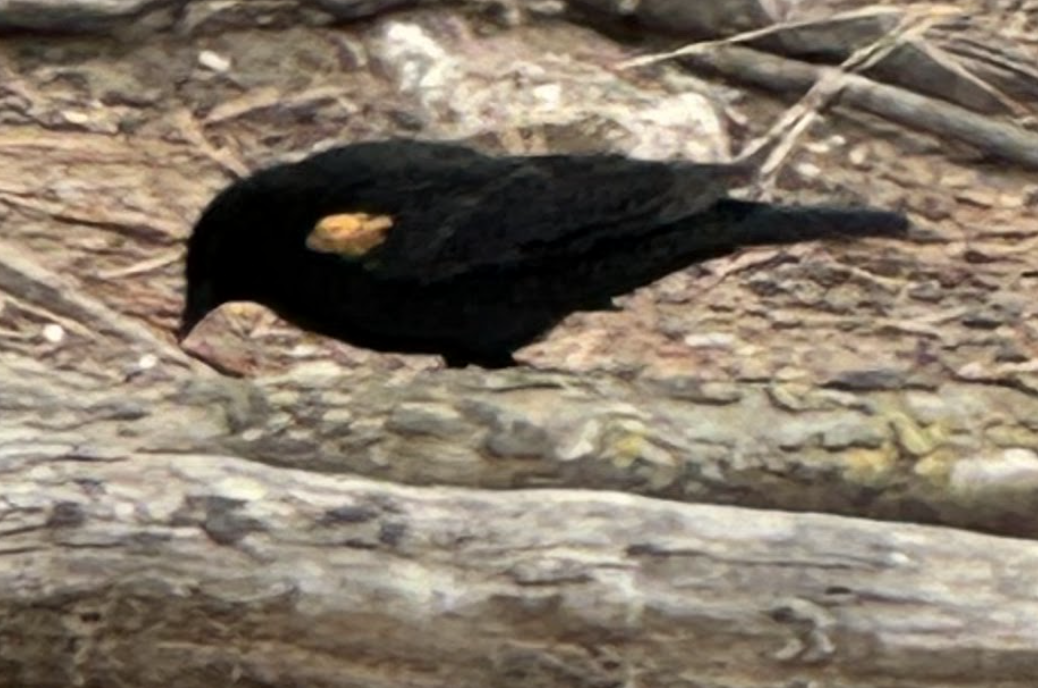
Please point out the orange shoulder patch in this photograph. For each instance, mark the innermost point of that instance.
(349, 234)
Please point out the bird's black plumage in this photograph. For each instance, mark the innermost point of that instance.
(472, 256)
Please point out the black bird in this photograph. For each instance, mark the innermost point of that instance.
(435, 248)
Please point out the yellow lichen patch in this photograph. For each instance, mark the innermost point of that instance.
(871, 466)
(632, 451)
(628, 448)
(936, 467)
(914, 439)
(349, 234)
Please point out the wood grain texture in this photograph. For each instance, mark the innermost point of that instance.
(208, 570)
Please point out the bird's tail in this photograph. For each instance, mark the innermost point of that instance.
(748, 223)
(626, 263)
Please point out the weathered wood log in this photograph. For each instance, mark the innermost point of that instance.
(1003, 140)
(764, 445)
(194, 570)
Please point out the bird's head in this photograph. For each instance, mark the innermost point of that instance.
(249, 236)
(262, 237)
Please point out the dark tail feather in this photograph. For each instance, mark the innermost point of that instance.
(746, 223)
(623, 264)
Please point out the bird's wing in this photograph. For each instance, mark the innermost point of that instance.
(498, 212)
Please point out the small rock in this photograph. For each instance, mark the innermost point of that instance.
(1012, 200)
(53, 333)
(975, 371)
(859, 155)
(809, 170)
(711, 340)
(927, 291)
(75, 117)
(214, 62)
(416, 61)
(985, 318)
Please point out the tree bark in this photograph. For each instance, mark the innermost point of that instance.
(201, 570)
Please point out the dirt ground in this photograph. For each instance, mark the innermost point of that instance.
(111, 146)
